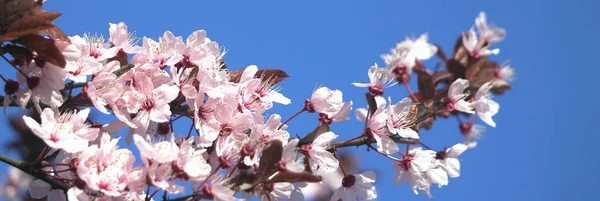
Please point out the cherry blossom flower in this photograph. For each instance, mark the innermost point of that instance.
(330, 103)
(15, 181)
(471, 133)
(485, 107)
(475, 47)
(404, 56)
(152, 103)
(379, 80)
(218, 192)
(39, 189)
(67, 131)
(489, 33)
(319, 159)
(121, 37)
(289, 159)
(378, 129)
(105, 168)
(397, 119)
(456, 97)
(448, 159)
(43, 84)
(413, 167)
(94, 46)
(104, 90)
(356, 187)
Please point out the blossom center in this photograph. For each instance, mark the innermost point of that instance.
(147, 104)
(405, 163)
(348, 181)
(226, 130)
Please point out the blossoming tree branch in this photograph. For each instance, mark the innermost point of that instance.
(232, 150)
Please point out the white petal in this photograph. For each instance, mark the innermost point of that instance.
(39, 189)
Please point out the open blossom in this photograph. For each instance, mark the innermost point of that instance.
(330, 103)
(356, 187)
(413, 167)
(152, 103)
(218, 192)
(379, 79)
(471, 133)
(120, 37)
(289, 158)
(398, 119)
(104, 90)
(104, 167)
(485, 107)
(377, 129)
(39, 189)
(489, 33)
(448, 159)
(475, 47)
(319, 159)
(67, 131)
(403, 57)
(43, 84)
(456, 97)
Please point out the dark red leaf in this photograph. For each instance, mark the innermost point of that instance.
(442, 77)
(269, 159)
(18, 52)
(45, 47)
(372, 103)
(289, 176)
(273, 76)
(322, 128)
(58, 34)
(27, 26)
(234, 76)
(456, 68)
(425, 84)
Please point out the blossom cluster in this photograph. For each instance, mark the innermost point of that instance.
(237, 152)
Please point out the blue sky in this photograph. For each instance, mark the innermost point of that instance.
(543, 147)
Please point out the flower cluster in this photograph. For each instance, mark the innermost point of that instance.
(236, 147)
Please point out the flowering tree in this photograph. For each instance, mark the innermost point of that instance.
(231, 150)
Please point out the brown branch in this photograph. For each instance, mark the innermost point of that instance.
(34, 170)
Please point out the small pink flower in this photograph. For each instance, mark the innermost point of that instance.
(356, 187)
(456, 97)
(67, 131)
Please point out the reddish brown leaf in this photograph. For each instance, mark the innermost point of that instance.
(314, 134)
(58, 34)
(270, 157)
(234, 76)
(442, 77)
(18, 52)
(456, 68)
(12, 10)
(475, 67)
(27, 26)
(45, 48)
(425, 84)
(50, 16)
(289, 176)
(273, 76)
(372, 103)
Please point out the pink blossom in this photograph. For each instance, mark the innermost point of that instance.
(67, 131)
(121, 37)
(319, 159)
(456, 97)
(379, 79)
(407, 52)
(356, 187)
(485, 107)
(396, 119)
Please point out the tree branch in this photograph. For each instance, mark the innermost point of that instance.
(34, 170)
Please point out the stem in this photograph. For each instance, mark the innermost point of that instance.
(383, 154)
(292, 117)
(4, 79)
(33, 170)
(412, 95)
(11, 64)
(208, 177)
(423, 144)
(42, 154)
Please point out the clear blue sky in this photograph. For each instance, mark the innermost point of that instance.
(543, 147)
